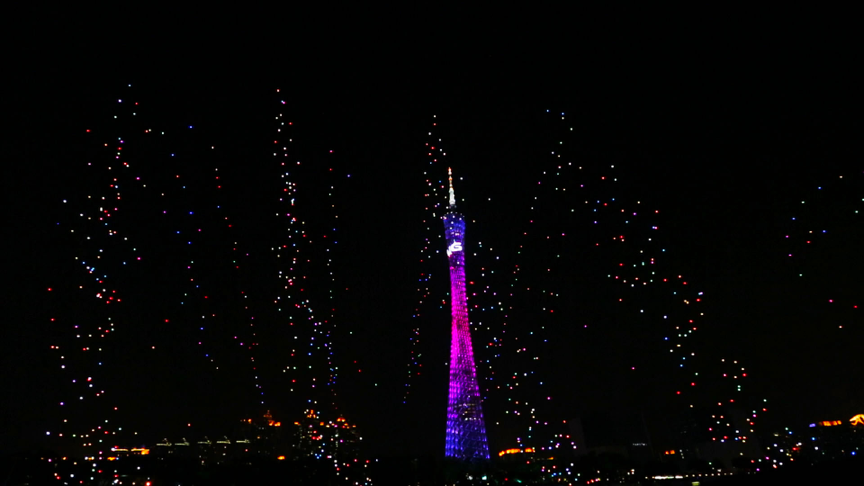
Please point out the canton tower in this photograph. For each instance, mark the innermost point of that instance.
(466, 434)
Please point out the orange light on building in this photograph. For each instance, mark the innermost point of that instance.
(830, 423)
(669, 453)
(281, 458)
(857, 420)
(515, 451)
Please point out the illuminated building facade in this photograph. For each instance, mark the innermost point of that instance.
(466, 433)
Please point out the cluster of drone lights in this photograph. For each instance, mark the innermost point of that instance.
(839, 192)
(312, 347)
(305, 254)
(640, 268)
(433, 198)
(112, 250)
(104, 249)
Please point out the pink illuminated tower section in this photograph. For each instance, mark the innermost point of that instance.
(466, 433)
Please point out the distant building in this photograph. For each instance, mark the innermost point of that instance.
(319, 438)
(828, 440)
(263, 436)
(604, 433)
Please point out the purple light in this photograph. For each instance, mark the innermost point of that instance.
(466, 432)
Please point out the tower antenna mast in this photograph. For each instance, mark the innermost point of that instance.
(452, 194)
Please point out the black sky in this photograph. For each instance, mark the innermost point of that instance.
(722, 121)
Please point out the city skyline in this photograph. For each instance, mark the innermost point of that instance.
(643, 205)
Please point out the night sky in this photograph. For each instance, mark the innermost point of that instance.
(717, 132)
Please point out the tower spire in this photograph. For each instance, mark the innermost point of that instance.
(452, 194)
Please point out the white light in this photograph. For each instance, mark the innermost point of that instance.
(454, 247)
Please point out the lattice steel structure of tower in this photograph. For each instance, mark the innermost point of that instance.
(466, 432)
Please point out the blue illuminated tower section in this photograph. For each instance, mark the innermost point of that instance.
(466, 433)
